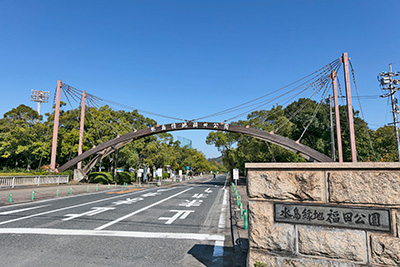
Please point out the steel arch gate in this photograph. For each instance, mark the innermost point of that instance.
(109, 146)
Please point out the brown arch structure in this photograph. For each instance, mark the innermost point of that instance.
(110, 146)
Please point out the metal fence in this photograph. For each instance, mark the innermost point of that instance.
(12, 181)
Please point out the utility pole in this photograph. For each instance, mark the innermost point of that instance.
(81, 127)
(337, 115)
(329, 101)
(389, 83)
(55, 127)
(345, 60)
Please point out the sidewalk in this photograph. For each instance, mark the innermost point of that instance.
(239, 234)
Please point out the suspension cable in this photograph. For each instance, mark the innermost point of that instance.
(75, 111)
(263, 96)
(314, 114)
(361, 110)
(303, 106)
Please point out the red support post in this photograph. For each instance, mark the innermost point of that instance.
(55, 127)
(81, 127)
(337, 116)
(345, 60)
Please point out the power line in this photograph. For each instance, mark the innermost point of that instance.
(235, 108)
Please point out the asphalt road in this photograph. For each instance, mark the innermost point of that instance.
(178, 225)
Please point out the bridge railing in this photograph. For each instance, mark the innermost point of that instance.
(12, 181)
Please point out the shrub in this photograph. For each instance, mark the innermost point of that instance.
(165, 175)
(100, 177)
(124, 177)
(70, 173)
(260, 264)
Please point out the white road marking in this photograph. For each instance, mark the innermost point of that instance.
(208, 190)
(150, 194)
(66, 208)
(166, 189)
(221, 222)
(218, 248)
(180, 214)
(219, 245)
(21, 210)
(200, 196)
(128, 201)
(189, 204)
(94, 211)
(70, 232)
(140, 210)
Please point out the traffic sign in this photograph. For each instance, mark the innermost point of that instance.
(235, 174)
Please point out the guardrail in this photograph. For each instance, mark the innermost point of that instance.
(12, 181)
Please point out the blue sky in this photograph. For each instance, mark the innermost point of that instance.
(190, 58)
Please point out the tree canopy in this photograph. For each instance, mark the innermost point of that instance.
(378, 145)
(25, 140)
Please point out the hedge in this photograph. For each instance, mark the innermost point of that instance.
(124, 177)
(108, 177)
(100, 177)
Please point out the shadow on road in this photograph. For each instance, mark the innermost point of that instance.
(205, 255)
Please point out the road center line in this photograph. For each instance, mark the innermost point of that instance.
(140, 210)
(77, 232)
(70, 207)
(20, 210)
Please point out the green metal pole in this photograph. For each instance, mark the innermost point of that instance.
(57, 191)
(245, 219)
(115, 184)
(241, 211)
(70, 191)
(108, 186)
(97, 187)
(10, 197)
(33, 194)
(87, 189)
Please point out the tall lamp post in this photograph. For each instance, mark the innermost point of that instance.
(39, 97)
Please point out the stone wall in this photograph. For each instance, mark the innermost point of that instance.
(349, 185)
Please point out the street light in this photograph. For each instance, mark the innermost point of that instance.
(39, 97)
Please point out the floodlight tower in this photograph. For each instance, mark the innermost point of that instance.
(389, 82)
(39, 97)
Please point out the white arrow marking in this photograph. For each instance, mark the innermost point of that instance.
(180, 214)
(188, 203)
(140, 210)
(127, 201)
(208, 190)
